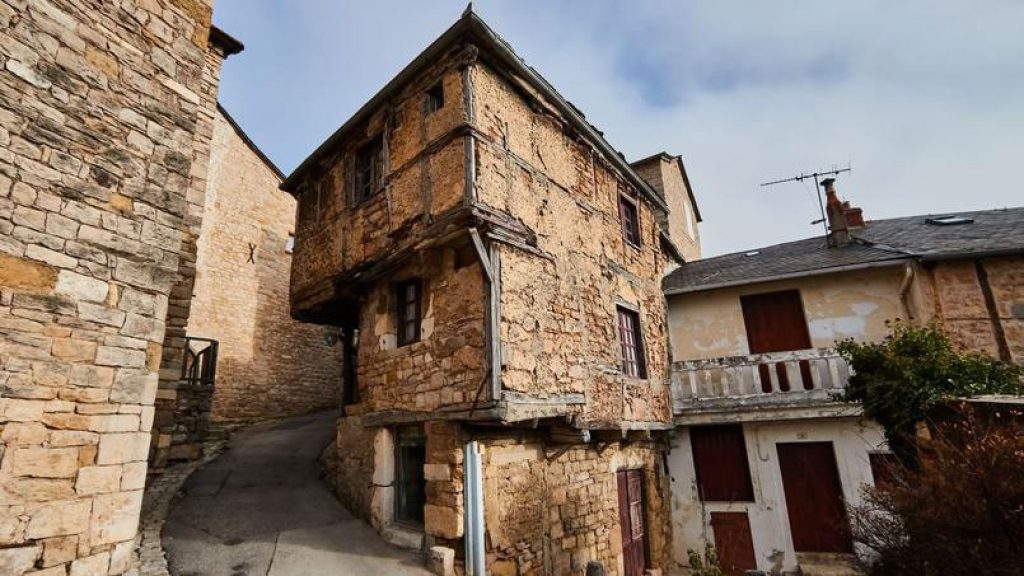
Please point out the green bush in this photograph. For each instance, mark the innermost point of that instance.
(899, 380)
(706, 566)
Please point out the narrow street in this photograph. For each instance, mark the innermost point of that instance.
(261, 509)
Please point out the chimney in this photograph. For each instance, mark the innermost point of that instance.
(841, 216)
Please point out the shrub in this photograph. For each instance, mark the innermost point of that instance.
(899, 380)
(959, 512)
(706, 566)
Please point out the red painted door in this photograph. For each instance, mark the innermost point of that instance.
(631, 519)
(814, 497)
(733, 542)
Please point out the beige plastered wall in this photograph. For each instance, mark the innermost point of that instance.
(854, 304)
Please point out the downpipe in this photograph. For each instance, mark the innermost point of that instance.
(473, 516)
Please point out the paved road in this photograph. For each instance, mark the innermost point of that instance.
(261, 509)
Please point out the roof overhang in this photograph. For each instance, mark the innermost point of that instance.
(472, 28)
(227, 43)
(788, 276)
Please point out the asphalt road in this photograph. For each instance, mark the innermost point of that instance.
(261, 509)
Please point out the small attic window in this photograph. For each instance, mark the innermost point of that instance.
(950, 220)
(434, 98)
(289, 244)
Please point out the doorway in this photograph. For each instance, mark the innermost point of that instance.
(410, 484)
(631, 518)
(814, 497)
(733, 542)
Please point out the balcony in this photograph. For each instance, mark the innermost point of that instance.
(779, 385)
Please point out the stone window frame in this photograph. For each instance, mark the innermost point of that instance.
(639, 344)
(403, 307)
(629, 217)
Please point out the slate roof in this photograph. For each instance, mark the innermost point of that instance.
(879, 243)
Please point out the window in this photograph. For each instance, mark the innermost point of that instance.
(775, 322)
(434, 99)
(289, 244)
(369, 169)
(720, 460)
(407, 298)
(630, 220)
(631, 340)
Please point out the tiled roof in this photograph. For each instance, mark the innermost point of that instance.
(880, 242)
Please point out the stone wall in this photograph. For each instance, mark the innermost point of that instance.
(666, 174)
(958, 301)
(98, 116)
(423, 179)
(559, 302)
(551, 509)
(268, 364)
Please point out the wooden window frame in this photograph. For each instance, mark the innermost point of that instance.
(368, 170)
(402, 304)
(631, 339)
(433, 98)
(629, 219)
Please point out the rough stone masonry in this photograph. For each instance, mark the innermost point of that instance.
(101, 127)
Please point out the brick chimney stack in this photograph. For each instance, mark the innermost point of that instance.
(841, 216)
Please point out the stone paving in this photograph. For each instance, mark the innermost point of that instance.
(161, 489)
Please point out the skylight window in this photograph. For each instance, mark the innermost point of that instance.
(949, 220)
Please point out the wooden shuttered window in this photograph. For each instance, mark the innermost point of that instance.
(775, 322)
(629, 215)
(408, 299)
(634, 363)
(720, 460)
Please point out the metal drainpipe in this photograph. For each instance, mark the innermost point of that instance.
(473, 510)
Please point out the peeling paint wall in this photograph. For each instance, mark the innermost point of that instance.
(559, 303)
(846, 305)
(852, 441)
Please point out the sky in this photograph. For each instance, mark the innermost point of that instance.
(924, 100)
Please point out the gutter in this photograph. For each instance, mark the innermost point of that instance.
(790, 276)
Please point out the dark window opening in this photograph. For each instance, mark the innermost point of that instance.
(885, 468)
(350, 345)
(369, 169)
(411, 486)
(630, 220)
(775, 322)
(408, 300)
(720, 460)
(631, 341)
(434, 98)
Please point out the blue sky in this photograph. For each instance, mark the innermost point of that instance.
(925, 99)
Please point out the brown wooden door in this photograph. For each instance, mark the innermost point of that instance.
(814, 497)
(632, 521)
(720, 461)
(775, 322)
(733, 542)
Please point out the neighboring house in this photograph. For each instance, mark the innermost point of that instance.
(493, 268)
(233, 354)
(764, 457)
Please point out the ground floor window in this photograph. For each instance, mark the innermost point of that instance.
(410, 486)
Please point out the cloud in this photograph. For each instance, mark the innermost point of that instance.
(923, 99)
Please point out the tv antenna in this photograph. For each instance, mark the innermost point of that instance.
(817, 189)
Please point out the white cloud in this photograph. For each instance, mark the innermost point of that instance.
(922, 98)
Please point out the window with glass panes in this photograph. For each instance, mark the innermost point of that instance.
(631, 341)
(408, 306)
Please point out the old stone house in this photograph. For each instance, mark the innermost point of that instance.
(104, 111)
(763, 457)
(493, 268)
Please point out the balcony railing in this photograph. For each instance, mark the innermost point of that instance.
(779, 378)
